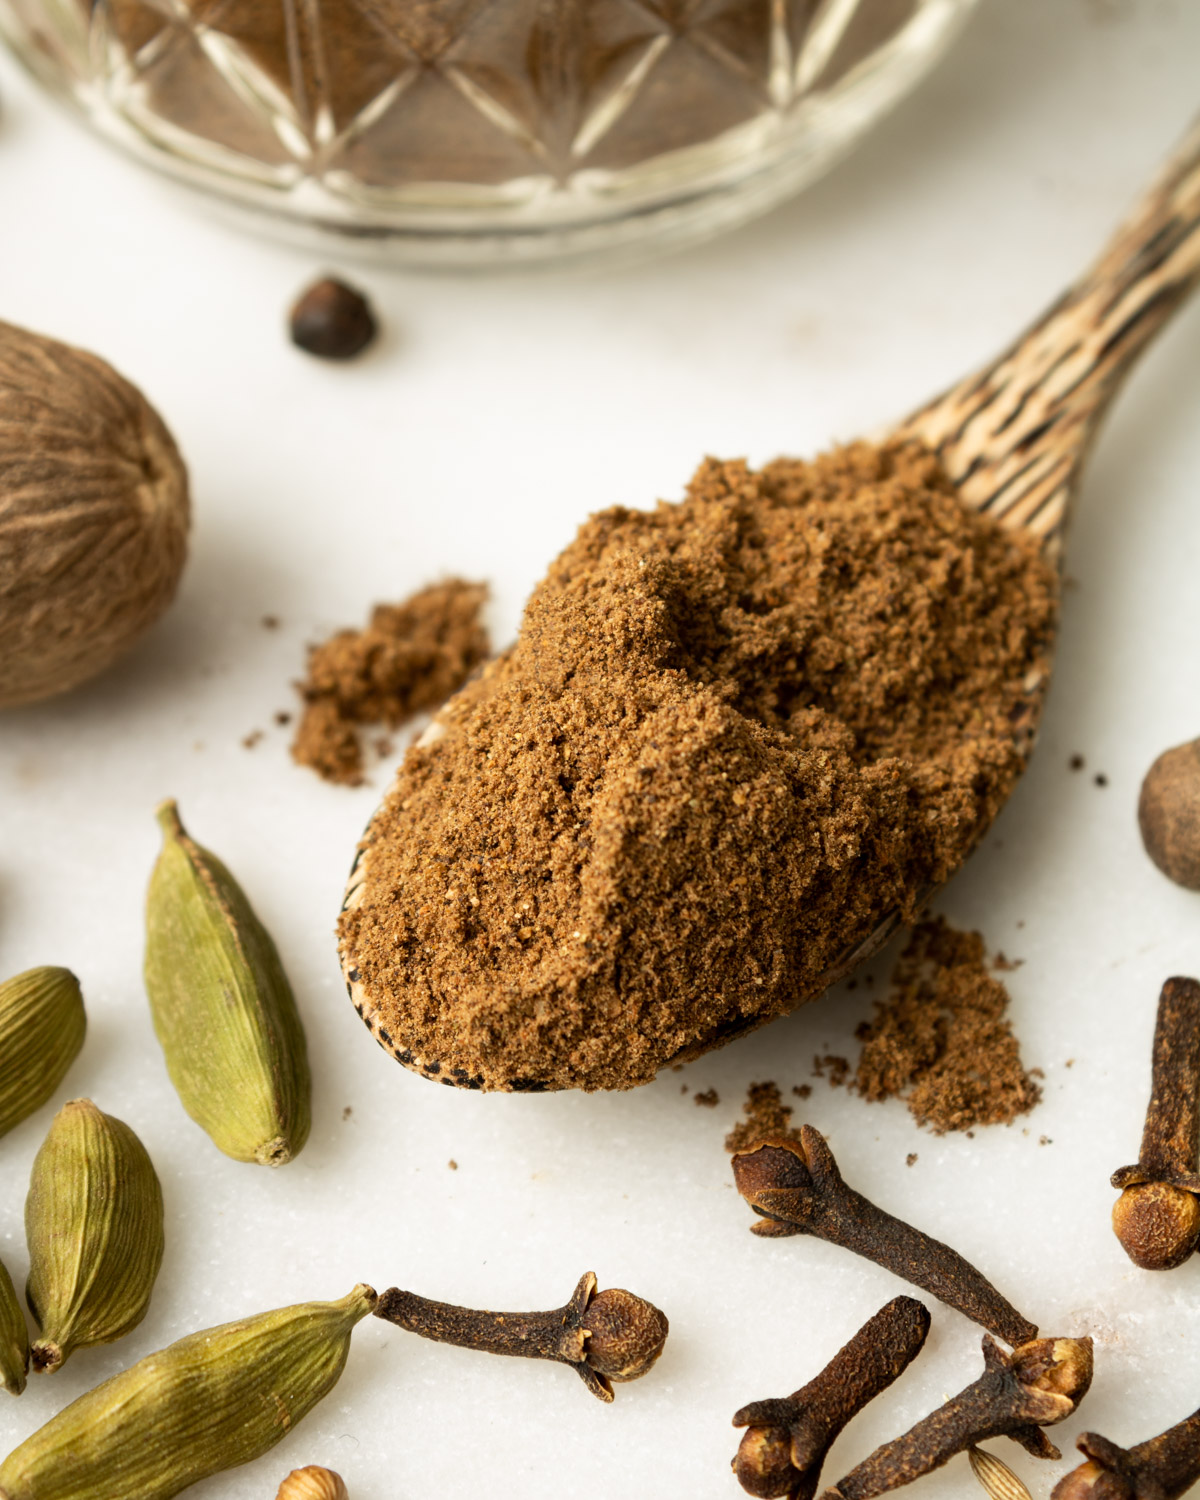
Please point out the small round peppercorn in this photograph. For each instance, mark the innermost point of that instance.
(1169, 814)
(332, 320)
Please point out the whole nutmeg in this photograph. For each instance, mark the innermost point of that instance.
(1169, 814)
(93, 516)
(313, 1483)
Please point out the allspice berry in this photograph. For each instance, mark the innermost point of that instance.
(1169, 814)
(313, 1483)
(93, 516)
(332, 320)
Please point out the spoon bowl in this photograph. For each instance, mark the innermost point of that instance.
(1013, 437)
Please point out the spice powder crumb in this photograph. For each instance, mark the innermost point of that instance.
(734, 733)
(411, 656)
(942, 1040)
(766, 1118)
(837, 1069)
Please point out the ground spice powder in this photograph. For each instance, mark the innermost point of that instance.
(942, 1040)
(733, 734)
(410, 657)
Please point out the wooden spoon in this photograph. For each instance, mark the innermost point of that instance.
(1014, 437)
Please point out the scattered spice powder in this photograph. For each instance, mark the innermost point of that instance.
(837, 1069)
(709, 1098)
(940, 1039)
(734, 734)
(767, 1118)
(410, 657)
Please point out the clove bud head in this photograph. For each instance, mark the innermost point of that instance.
(624, 1334)
(1091, 1482)
(763, 1463)
(1157, 1224)
(776, 1178)
(1058, 1370)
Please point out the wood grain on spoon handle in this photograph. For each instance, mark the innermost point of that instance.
(1014, 435)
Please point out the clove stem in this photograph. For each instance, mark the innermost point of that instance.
(798, 1189)
(1162, 1468)
(1157, 1217)
(786, 1441)
(605, 1336)
(1039, 1383)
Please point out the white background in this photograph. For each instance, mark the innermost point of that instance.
(493, 416)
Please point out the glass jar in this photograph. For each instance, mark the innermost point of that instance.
(470, 131)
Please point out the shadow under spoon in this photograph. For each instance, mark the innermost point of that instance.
(1014, 437)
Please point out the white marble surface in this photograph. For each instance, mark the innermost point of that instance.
(493, 417)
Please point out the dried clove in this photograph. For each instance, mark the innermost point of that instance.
(786, 1440)
(1157, 1216)
(606, 1336)
(1159, 1469)
(332, 320)
(796, 1188)
(1018, 1394)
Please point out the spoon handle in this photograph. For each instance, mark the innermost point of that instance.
(1014, 435)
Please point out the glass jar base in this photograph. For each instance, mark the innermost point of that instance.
(572, 205)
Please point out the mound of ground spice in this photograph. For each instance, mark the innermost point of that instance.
(941, 1039)
(410, 657)
(733, 734)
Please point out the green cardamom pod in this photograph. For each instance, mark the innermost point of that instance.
(203, 1405)
(223, 1009)
(14, 1338)
(42, 1023)
(94, 1222)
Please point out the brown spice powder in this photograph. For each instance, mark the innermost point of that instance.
(411, 656)
(941, 1039)
(836, 1068)
(735, 732)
